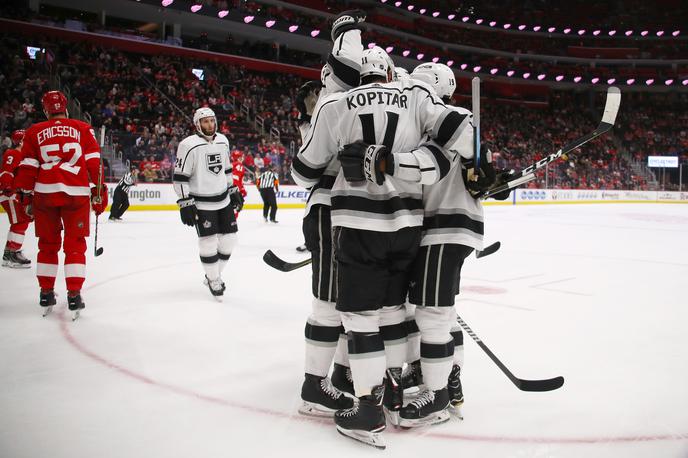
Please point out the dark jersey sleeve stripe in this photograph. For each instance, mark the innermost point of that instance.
(441, 159)
(180, 178)
(449, 126)
(305, 171)
(453, 221)
(347, 75)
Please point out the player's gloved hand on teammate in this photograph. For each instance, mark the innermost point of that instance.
(99, 201)
(6, 188)
(347, 20)
(306, 98)
(361, 162)
(236, 199)
(480, 178)
(188, 211)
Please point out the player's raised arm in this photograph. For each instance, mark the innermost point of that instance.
(344, 62)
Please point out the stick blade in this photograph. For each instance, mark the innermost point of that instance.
(99, 251)
(489, 250)
(540, 385)
(273, 261)
(611, 106)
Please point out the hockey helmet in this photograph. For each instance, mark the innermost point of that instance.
(400, 73)
(324, 73)
(439, 76)
(203, 112)
(237, 156)
(376, 61)
(17, 136)
(54, 102)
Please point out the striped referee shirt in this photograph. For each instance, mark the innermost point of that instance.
(126, 182)
(267, 180)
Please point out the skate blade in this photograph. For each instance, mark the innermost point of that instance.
(47, 310)
(311, 409)
(219, 298)
(455, 411)
(432, 419)
(392, 416)
(373, 438)
(76, 314)
(17, 266)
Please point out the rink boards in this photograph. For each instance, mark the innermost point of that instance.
(161, 196)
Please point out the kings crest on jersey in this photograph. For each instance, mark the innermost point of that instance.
(203, 171)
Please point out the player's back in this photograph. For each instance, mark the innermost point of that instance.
(63, 150)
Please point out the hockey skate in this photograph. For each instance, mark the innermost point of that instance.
(75, 304)
(321, 399)
(365, 421)
(47, 301)
(412, 377)
(217, 288)
(341, 379)
(393, 398)
(429, 408)
(455, 391)
(15, 260)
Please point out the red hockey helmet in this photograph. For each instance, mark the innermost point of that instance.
(17, 136)
(54, 102)
(237, 156)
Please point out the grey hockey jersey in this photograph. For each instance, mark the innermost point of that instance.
(203, 171)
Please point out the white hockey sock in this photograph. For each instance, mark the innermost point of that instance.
(207, 248)
(457, 335)
(322, 336)
(366, 350)
(393, 330)
(341, 355)
(225, 246)
(413, 344)
(436, 345)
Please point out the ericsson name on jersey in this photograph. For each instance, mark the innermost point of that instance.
(203, 171)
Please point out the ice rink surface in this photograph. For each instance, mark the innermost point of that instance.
(156, 368)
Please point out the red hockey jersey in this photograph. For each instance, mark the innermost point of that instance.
(238, 172)
(59, 155)
(10, 161)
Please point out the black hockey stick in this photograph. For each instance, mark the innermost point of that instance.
(97, 251)
(521, 384)
(611, 108)
(273, 261)
(489, 250)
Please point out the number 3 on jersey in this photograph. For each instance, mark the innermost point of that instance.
(69, 150)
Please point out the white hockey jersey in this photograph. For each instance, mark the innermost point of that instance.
(398, 115)
(203, 171)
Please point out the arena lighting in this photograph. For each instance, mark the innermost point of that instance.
(450, 63)
(463, 66)
(669, 82)
(293, 28)
(630, 81)
(685, 82)
(581, 31)
(397, 4)
(269, 23)
(435, 14)
(577, 79)
(595, 80)
(536, 28)
(315, 33)
(629, 33)
(371, 45)
(167, 3)
(493, 23)
(494, 71)
(477, 68)
(422, 11)
(660, 33)
(611, 80)
(479, 21)
(406, 53)
(559, 77)
(612, 33)
(521, 27)
(435, 60)
(196, 8)
(526, 75)
(596, 32)
(541, 77)
(551, 29)
(567, 30)
(389, 49)
(465, 19)
(451, 17)
(222, 13)
(510, 73)
(507, 26)
(644, 33)
(383, 1)
(410, 7)
(649, 82)
(248, 19)
(420, 56)
(676, 32)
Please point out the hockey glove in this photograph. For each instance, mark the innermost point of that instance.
(99, 202)
(236, 199)
(361, 162)
(187, 210)
(479, 179)
(306, 98)
(347, 20)
(502, 178)
(6, 182)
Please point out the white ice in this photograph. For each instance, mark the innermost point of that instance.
(156, 368)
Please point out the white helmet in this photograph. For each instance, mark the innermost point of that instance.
(400, 73)
(376, 61)
(201, 113)
(324, 73)
(439, 76)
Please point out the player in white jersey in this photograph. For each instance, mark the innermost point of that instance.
(207, 195)
(325, 337)
(376, 219)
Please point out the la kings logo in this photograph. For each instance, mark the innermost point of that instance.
(214, 163)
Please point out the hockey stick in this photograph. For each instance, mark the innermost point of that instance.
(475, 107)
(489, 250)
(521, 384)
(97, 251)
(611, 108)
(273, 261)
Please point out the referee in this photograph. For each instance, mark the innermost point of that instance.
(120, 198)
(268, 185)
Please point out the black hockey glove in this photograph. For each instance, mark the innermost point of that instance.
(306, 98)
(236, 200)
(479, 179)
(502, 178)
(347, 20)
(188, 211)
(361, 162)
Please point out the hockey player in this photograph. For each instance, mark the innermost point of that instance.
(377, 220)
(120, 197)
(268, 186)
(238, 172)
(207, 196)
(19, 220)
(61, 158)
(325, 338)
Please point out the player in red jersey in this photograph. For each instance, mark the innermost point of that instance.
(61, 157)
(238, 172)
(19, 220)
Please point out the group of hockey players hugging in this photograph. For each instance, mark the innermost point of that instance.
(392, 215)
